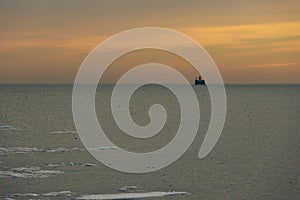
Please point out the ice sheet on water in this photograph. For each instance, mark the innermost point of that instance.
(101, 196)
(130, 195)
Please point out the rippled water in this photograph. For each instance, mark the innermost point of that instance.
(257, 156)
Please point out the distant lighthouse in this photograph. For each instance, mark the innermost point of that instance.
(199, 81)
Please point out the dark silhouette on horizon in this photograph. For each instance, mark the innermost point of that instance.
(199, 81)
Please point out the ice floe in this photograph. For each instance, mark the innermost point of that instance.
(28, 172)
(127, 188)
(89, 165)
(54, 165)
(7, 127)
(77, 149)
(7, 198)
(49, 194)
(62, 132)
(65, 193)
(104, 148)
(54, 150)
(24, 195)
(11, 150)
(130, 195)
(51, 165)
(20, 150)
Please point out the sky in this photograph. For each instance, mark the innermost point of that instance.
(254, 41)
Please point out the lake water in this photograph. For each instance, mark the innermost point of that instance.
(257, 156)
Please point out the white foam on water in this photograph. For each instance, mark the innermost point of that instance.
(28, 172)
(130, 195)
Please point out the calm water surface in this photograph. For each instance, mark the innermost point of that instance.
(257, 156)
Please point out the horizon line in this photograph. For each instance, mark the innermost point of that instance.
(292, 83)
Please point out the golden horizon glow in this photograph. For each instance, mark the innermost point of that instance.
(42, 53)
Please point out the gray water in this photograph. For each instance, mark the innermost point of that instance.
(257, 156)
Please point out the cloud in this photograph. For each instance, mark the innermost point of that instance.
(20, 41)
(246, 34)
(252, 40)
(272, 65)
(238, 38)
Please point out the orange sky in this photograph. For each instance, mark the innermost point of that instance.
(251, 41)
